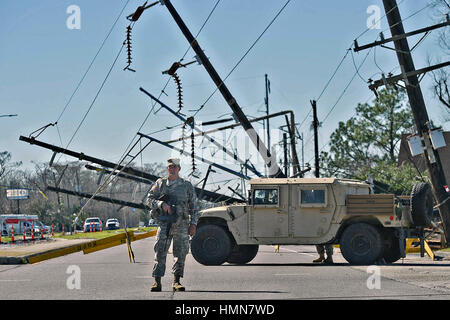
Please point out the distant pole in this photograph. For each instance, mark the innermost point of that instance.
(316, 138)
(303, 152)
(266, 100)
(285, 154)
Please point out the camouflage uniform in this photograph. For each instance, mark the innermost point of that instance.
(182, 195)
(325, 247)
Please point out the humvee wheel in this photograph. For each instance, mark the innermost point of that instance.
(242, 254)
(421, 204)
(392, 248)
(211, 245)
(361, 243)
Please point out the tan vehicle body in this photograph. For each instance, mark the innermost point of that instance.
(291, 211)
(292, 222)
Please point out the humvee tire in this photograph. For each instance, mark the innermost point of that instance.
(361, 244)
(242, 254)
(392, 249)
(421, 204)
(211, 245)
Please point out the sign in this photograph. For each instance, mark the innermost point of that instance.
(17, 194)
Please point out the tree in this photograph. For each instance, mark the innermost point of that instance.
(6, 166)
(440, 77)
(368, 143)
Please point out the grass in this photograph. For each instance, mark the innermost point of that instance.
(82, 235)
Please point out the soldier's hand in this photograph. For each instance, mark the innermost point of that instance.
(192, 229)
(167, 208)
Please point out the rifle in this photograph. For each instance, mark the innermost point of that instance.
(166, 217)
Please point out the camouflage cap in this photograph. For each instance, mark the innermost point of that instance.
(174, 161)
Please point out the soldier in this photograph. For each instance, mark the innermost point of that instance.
(180, 200)
(321, 249)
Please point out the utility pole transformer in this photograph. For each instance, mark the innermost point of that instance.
(421, 119)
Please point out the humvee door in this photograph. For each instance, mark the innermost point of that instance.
(269, 211)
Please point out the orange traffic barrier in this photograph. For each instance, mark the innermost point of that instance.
(12, 234)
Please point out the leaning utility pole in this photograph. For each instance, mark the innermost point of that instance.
(316, 137)
(270, 160)
(417, 102)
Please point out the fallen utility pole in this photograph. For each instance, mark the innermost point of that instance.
(193, 126)
(417, 102)
(100, 198)
(291, 127)
(82, 156)
(240, 175)
(207, 195)
(270, 160)
(126, 176)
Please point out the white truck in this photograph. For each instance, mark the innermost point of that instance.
(20, 223)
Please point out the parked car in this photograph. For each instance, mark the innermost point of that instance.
(112, 224)
(37, 227)
(152, 223)
(93, 224)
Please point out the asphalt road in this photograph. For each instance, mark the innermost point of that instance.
(289, 274)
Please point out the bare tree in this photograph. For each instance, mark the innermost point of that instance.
(440, 77)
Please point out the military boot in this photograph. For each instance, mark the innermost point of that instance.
(177, 285)
(328, 260)
(156, 287)
(320, 259)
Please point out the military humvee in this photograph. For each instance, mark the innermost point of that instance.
(308, 211)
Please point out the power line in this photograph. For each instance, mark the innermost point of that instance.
(95, 98)
(243, 57)
(327, 84)
(340, 63)
(128, 149)
(189, 48)
(92, 62)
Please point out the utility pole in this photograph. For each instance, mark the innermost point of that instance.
(266, 100)
(270, 160)
(417, 102)
(316, 137)
(285, 154)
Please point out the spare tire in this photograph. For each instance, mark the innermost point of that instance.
(421, 204)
